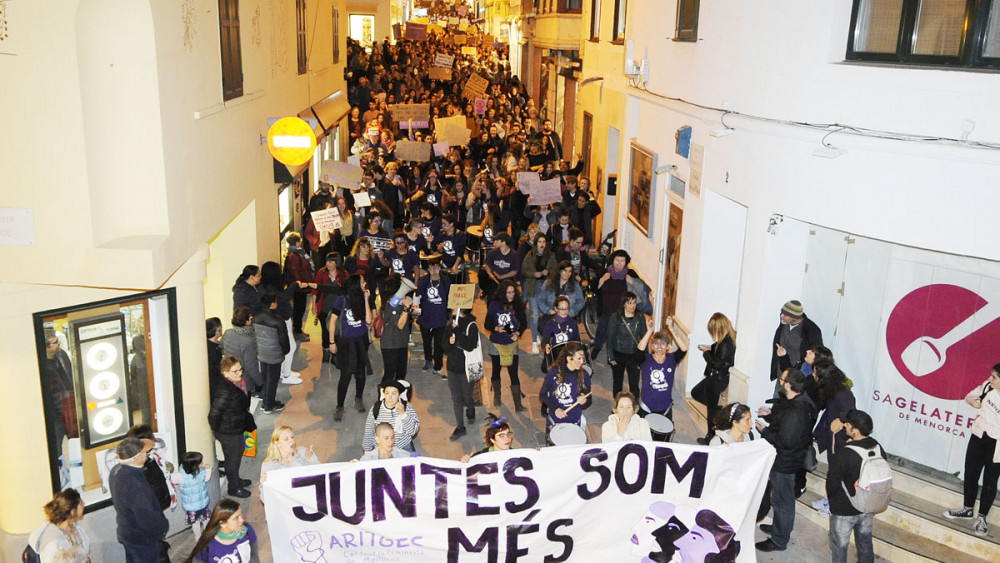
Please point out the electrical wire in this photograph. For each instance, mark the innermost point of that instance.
(832, 128)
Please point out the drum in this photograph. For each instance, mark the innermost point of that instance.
(566, 434)
(425, 258)
(473, 238)
(659, 426)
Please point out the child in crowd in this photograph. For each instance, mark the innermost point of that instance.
(192, 482)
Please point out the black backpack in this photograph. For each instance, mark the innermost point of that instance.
(29, 555)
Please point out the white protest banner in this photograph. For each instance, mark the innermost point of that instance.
(440, 149)
(546, 192)
(342, 173)
(326, 219)
(443, 60)
(623, 502)
(438, 73)
(361, 199)
(526, 181)
(406, 112)
(413, 151)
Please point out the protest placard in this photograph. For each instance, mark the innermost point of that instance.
(354, 159)
(443, 60)
(526, 181)
(406, 112)
(361, 199)
(473, 40)
(452, 130)
(461, 295)
(475, 87)
(480, 105)
(326, 219)
(453, 21)
(416, 31)
(463, 25)
(397, 31)
(342, 174)
(439, 73)
(379, 243)
(546, 192)
(525, 504)
(413, 151)
(459, 38)
(463, 10)
(470, 51)
(423, 124)
(440, 149)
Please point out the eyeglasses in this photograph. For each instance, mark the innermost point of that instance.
(237, 371)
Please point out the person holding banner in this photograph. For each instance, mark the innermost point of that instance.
(505, 319)
(567, 386)
(624, 424)
(385, 445)
(227, 537)
(499, 437)
(392, 408)
(733, 424)
(283, 453)
(349, 321)
(658, 370)
(462, 336)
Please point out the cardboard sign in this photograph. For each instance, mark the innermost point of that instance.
(480, 104)
(547, 192)
(452, 130)
(475, 87)
(439, 73)
(452, 21)
(326, 219)
(526, 182)
(440, 149)
(406, 112)
(413, 151)
(397, 31)
(354, 159)
(470, 51)
(443, 60)
(463, 25)
(379, 243)
(342, 174)
(423, 124)
(461, 296)
(361, 199)
(416, 31)
(459, 39)
(463, 10)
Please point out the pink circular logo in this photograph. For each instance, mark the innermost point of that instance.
(937, 345)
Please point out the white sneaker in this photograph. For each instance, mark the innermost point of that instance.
(980, 526)
(291, 380)
(534, 347)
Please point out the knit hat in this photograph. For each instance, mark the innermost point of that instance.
(129, 448)
(793, 309)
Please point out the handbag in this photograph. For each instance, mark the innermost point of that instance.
(810, 462)
(378, 325)
(474, 359)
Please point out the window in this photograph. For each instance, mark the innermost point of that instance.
(300, 34)
(687, 20)
(963, 33)
(336, 35)
(571, 5)
(105, 367)
(232, 60)
(620, 8)
(595, 20)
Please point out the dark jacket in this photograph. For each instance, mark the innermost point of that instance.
(214, 371)
(246, 295)
(790, 432)
(845, 469)
(719, 358)
(811, 336)
(229, 409)
(137, 512)
(272, 337)
(624, 334)
(466, 338)
(298, 267)
(154, 476)
(836, 407)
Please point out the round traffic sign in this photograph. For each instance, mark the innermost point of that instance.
(291, 141)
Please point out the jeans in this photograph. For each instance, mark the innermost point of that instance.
(461, 395)
(979, 461)
(533, 315)
(626, 362)
(232, 448)
(783, 503)
(840, 537)
(145, 553)
(299, 300)
(433, 345)
(271, 373)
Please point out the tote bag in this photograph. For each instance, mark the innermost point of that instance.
(474, 359)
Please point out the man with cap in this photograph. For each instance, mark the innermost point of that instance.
(844, 472)
(141, 523)
(500, 264)
(794, 336)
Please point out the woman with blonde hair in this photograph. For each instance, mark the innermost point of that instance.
(282, 453)
(719, 357)
(61, 531)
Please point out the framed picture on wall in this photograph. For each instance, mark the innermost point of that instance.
(641, 193)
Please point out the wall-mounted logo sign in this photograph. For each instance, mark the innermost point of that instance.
(102, 369)
(942, 339)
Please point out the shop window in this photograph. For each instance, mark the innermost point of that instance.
(962, 33)
(300, 35)
(687, 20)
(232, 59)
(621, 6)
(595, 20)
(105, 367)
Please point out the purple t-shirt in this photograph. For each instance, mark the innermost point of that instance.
(658, 382)
(433, 301)
(501, 263)
(347, 325)
(402, 264)
(238, 552)
(452, 247)
(502, 315)
(562, 396)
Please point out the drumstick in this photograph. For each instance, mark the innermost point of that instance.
(575, 404)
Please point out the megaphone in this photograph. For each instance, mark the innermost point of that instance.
(406, 287)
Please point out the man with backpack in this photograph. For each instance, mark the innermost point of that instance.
(858, 484)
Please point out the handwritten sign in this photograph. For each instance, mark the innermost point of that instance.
(459, 39)
(452, 130)
(463, 10)
(326, 219)
(443, 60)
(342, 173)
(413, 151)
(406, 112)
(461, 296)
(470, 51)
(416, 31)
(546, 192)
(361, 199)
(463, 25)
(439, 73)
(397, 31)
(475, 87)
(453, 21)
(440, 149)
(526, 181)
(354, 159)
(379, 243)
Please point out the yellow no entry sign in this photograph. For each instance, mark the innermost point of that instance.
(291, 141)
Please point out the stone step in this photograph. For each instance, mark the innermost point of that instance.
(920, 515)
